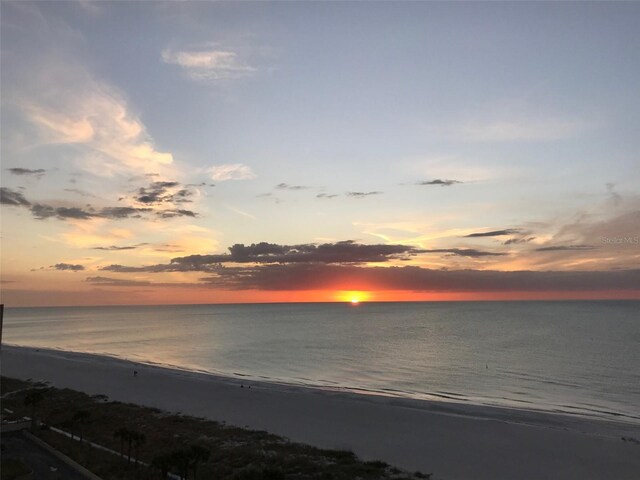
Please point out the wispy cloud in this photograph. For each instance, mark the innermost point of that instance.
(566, 248)
(165, 192)
(38, 173)
(208, 64)
(69, 108)
(68, 267)
(119, 248)
(11, 197)
(286, 186)
(178, 212)
(442, 183)
(231, 171)
(42, 211)
(494, 233)
(517, 240)
(95, 116)
(240, 212)
(464, 252)
(116, 282)
(363, 194)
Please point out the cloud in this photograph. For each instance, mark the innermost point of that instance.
(268, 266)
(463, 252)
(176, 213)
(59, 102)
(118, 248)
(11, 197)
(38, 173)
(94, 116)
(41, 212)
(516, 240)
(156, 192)
(494, 233)
(269, 253)
(363, 194)
(160, 268)
(286, 186)
(208, 64)
(607, 238)
(325, 195)
(68, 267)
(339, 252)
(231, 171)
(164, 192)
(565, 248)
(437, 181)
(345, 252)
(122, 212)
(411, 278)
(116, 282)
(122, 282)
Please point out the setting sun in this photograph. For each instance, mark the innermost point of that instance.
(353, 297)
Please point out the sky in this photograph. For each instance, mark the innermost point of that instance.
(223, 152)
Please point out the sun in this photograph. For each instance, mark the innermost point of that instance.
(353, 297)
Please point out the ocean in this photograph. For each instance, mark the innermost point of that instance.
(576, 357)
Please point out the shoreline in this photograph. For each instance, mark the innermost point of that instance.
(434, 402)
(450, 439)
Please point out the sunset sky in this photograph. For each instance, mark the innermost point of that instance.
(264, 152)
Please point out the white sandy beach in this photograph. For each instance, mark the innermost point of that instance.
(452, 441)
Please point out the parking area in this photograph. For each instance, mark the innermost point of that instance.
(45, 466)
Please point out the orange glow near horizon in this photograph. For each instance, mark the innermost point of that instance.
(163, 296)
(354, 296)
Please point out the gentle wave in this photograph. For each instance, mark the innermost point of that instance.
(580, 358)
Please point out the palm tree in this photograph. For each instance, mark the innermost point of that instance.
(197, 454)
(130, 435)
(79, 418)
(138, 439)
(163, 462)
(180, 459)
(33, 399)
(123, 434)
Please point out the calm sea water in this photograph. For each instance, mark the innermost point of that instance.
(576, 357)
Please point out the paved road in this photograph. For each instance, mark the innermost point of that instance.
(45, 466)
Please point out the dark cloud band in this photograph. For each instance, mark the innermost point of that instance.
(317, 277)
